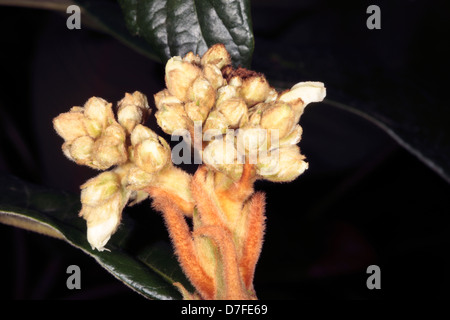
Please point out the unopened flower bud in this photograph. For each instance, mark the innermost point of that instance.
(103, 200)
(225, 93)
(202, 93)
(255, 114)
(138, 179)
(235, 111)
(70, 125)
(98, 190)
(103, 221)
(163, 97)
(132, 110)
(282, 165)
(192, 58)
(278, 116)
(141, 133)
(151, 152)
(216, 122)
(196, 112)
(213, 75)
(81, 150)
(235, 81)
(271, 96)
(179, 77)
(293, 137)
(251, 141)
(222, 155)
(217, 55)
(302, 94)
(255, 89)
(99, 110)
(172, 117)
(110, 149)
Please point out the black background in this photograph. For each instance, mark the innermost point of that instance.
(364, 200)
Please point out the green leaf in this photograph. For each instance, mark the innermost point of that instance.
(175, 27)
(150, 272)
(394, 78)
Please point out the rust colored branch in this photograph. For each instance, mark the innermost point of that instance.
(234, 288)
(254, 238)
(184, 246)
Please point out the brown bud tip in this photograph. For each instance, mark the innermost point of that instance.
(217, 55)
(255, 89)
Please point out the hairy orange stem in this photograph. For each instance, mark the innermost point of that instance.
(233, 284)
(183, 242)
(254, 238)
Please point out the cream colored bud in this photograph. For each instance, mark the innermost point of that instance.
(217, 55)
(196, 112)
(81, 150)
(132, 110)
(303, 93)
(110, 149)
(255, 114)
(293, 137)
(282, 165)
(251, 141)
(278, 116)
(151, 152)
(141, 133)
(235, 111)
(192, 58)
(179, 77)
(216, 121)
(222, 155)
(99, 110)
(272, 95)
(138, 179)
(213, 74)
(98, 190)
(103, 220)
(103, 200)
(172, 117)
(136, 98)
(129, 116)
(225, 93)
(70, 125)
(254, 90)
(163, 97)
(202, 93)
(236, 81)
(93, 128)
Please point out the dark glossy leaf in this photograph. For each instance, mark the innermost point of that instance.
(395, 77)
(150, 273)
(175, 27)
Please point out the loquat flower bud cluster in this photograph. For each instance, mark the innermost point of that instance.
(209, 91)
(137, 158)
